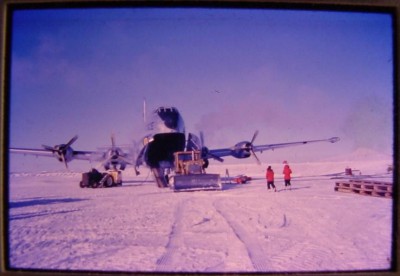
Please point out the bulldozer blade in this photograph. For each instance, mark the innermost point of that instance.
(196, 182)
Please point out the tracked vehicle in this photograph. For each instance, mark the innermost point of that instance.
(190, 173)
(96, 179)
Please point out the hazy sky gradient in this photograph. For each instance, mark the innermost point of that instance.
(293, 75)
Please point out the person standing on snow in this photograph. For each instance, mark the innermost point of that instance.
(270, 178)
(286, 173)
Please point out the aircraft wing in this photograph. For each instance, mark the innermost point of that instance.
(262, 148)
(220, 152)
(64, 153)
(245, 148)
(80, 155)
(85, 155)
(36, 152)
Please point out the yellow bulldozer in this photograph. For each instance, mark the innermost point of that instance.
(190, 173)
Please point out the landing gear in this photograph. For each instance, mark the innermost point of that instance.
(161, 177)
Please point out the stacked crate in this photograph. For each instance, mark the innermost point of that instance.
(365, 187)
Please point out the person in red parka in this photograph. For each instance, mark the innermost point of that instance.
(286, 174)
(270, 178)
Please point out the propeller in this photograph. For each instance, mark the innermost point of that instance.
(113, 141)
(205, 153)
(194, 143)
(62, 150)
(114, 151)
(115, 156)
(250, 147)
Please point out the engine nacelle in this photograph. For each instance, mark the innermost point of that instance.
(63, 153)
(241, 150)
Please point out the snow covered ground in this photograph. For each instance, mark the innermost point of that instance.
(54, 224)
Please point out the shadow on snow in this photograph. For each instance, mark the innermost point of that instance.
(42, 201)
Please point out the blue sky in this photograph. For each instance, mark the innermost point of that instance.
(291, 74)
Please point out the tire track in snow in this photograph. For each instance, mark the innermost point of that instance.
(302, 256)
(165, 262)
(257, 256)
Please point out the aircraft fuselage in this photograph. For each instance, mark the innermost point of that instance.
(167, 136)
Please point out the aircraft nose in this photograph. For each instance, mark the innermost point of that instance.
(170, 117)
(171, 122)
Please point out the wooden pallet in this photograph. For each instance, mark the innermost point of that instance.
(365, 187)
